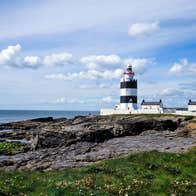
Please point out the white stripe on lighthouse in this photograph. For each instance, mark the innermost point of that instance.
(128, 92)
(125, 106)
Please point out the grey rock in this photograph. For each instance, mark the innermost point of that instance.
(61, 143)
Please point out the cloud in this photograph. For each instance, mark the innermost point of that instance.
(91, 75)
(96, 61)
(98, 67)
(189, 85)
(114, 74)
(60, 100)
(110, 62)
(140, 29)
(88, 75)
(96, 86)
(171, 92)
(140, 65)
(92, 15)
(58, 59)
(59, 76)
(176, 97)
(108, 99)
(11, 57)
(32, 61)
(183, 68)
(63, 100)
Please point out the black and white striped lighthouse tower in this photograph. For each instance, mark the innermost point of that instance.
(128, 90)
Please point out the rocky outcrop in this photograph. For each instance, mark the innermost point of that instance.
(99, 129)
(60, 143)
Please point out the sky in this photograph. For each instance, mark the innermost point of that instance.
(70, 54)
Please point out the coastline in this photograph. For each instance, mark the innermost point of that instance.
(55, 144)
(96, 155)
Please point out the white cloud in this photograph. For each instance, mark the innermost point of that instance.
(63, 100)
(9, 55)
(96, 61)
(58, 59)
(88, 75)
(92, 14)
(60, 100)
(98, 86)
(171, 92)
(183, 68)
(109, 63)
(140, 29)
(140, 65)
(177, 68)
(98, 69)
(59, 76)
(108, 99)
(112, 74)
(32, 61)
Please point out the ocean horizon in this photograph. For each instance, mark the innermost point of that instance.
(19, 115)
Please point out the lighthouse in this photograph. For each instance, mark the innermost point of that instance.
(128, 90)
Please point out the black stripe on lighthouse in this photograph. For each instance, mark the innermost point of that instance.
(128, 99)
(129, 84)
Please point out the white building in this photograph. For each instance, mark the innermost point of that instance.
(128, 100)
(192, 106)
(152, 106)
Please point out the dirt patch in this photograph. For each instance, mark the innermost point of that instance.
(192, 128)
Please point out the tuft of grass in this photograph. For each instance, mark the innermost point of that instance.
(147, 173)
(187, 118)
(11, 148)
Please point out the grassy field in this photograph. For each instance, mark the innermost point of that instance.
(11, 148)
(148, 173)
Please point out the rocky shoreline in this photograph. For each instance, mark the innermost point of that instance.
(59, 143)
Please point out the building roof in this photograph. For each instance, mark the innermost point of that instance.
(191, 102)
(151, 102)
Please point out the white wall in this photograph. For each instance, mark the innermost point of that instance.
(185, 113)
(150, 109)
(128, 92)
(113, 111)
(131, 106)
(191, 107)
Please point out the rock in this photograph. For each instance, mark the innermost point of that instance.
(48, 119)
(85, 153)
(100, 129)
(83, 140)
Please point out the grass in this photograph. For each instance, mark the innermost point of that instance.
(151, 115)
(148, 173)
(11, 148)
(187, 118)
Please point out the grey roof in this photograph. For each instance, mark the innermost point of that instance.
(151, 102)
(191, 102)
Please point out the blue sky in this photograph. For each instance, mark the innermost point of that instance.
(70, 55)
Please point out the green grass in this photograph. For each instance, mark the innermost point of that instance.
(187, 118)
(150, 115)
(11, 148)
(148, 173)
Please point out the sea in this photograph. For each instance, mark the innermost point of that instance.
(19, 115)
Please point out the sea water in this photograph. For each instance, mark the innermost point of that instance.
(18, 115)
